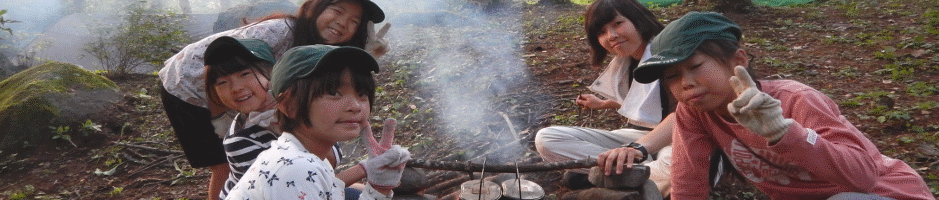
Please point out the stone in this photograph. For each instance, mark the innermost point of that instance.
(52, 94)
(236, 16)
(630, 178)
(412, 181)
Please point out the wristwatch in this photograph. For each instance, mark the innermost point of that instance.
(637, 146)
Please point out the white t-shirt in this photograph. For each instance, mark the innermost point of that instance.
(182, 74)
(640, 103)
(288, 171)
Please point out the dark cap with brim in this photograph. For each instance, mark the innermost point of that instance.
(372, 12)
(303, 61)
(225, 48)
(681, 38)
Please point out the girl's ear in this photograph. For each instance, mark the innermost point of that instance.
(287, 104)
(740, 59)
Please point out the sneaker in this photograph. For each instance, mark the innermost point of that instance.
(575, 181)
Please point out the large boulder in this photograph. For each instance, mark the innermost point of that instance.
(237, 16)
(49, 95)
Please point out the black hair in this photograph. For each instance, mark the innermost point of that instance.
(305, 31)
(602, 12)
(306, 89)
(228, 67)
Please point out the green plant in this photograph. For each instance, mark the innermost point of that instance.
(20, 194)
(851, 72)
(90, 127)
(922, 89)
(926, 105)
(3, 22)
(116, 191)
(61, 133)
(146, 36)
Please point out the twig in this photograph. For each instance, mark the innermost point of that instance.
(446, 184)
(149, 148)
(152, 164)
(511, 127)
(501, 168)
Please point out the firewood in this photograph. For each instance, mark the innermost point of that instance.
(501, 168)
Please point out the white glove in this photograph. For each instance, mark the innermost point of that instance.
(375, 44)
(755, 110)
(385, 162)
(222, 123)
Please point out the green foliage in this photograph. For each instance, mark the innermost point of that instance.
(922, 89)
(851, 72)
(116, 191)
(62, 133)
(145, 37)
(4, 21)
(20, 194)
(90, 127)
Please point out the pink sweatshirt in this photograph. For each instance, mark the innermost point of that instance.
(821, 155)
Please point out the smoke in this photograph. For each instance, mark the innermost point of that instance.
(467, 52)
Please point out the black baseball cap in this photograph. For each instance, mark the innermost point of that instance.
(225, 47)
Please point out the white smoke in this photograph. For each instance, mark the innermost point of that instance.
(468, 54)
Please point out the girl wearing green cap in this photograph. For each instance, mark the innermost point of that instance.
(324, 96)
(623, 29)
(200, 125)
(786, 138)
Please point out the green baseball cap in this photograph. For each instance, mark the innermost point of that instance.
(679, 40)
(303, 61)
(225, 47)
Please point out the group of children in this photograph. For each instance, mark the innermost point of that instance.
(265, 105)
(688, 94)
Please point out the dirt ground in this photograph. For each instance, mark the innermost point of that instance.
(877, 59)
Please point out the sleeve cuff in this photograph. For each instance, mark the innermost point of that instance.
(371, 193)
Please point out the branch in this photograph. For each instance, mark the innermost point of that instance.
(501, 168)
(149, 148)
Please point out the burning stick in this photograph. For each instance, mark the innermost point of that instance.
(522, 168)
(511, 127)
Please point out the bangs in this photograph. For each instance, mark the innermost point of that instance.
(311, 87)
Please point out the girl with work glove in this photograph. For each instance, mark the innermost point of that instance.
(784, 137)
(324, 96)
(199, 124)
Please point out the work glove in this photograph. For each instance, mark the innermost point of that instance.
(755, 110)
(266, 119)
(375, 44)
(385, 162)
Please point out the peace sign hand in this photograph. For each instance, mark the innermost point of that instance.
(385, 162)
(756, 110)
(375, 44)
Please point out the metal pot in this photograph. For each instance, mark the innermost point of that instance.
(471, 190)
(529, 190)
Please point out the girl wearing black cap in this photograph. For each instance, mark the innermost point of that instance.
(786, 138)
(199, 124)
(623, 29)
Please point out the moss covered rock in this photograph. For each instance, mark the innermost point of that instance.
(49, 95)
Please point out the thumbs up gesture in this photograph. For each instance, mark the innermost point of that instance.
(755, 110)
